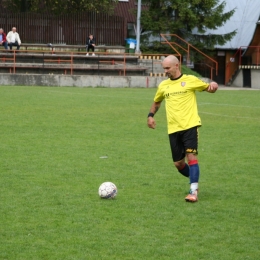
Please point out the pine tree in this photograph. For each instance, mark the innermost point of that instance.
(189, 19)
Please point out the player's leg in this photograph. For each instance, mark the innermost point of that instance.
(87, 50)
(194, 178)
(178, 154)
(190, 139)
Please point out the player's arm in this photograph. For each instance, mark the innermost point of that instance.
(212, 88)
(150, 120)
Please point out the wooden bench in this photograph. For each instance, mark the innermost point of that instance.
(79, 48)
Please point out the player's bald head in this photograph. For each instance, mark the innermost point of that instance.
(171, 59)
(171, 67)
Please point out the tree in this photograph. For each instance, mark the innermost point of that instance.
(59, 6)
(189, 19)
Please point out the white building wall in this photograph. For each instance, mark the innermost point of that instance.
(238, 82)
(255, 78)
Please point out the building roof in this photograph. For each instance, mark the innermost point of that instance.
(126, 9)
(244, 20)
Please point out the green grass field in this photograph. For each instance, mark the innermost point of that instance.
(50, 170)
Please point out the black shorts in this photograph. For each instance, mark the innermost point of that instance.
(184, 142)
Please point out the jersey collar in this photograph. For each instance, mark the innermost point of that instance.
(177, 78)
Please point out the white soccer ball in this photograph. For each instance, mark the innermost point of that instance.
(107, 190)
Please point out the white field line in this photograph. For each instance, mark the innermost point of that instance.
(199, 103)
(228, 105)
(222, 115)
(200, 112)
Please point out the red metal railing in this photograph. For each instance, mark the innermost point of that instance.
(67, 61)
(187, 49)
(9, 58)
(70, 61)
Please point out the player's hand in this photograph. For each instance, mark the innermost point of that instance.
(212, 88)
(151, 122)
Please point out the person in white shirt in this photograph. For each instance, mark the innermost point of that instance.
(13, 39)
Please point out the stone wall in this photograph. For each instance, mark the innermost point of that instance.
(79, 80)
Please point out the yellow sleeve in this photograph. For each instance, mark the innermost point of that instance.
(159, 96)
(202, 85)
(198, 84)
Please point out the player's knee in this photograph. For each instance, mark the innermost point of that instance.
(191, 157)
(179, 165)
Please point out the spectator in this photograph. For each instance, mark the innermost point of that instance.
(90, 44)
(3, 39)
(13, 39)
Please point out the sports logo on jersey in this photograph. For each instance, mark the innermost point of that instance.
(183, 84)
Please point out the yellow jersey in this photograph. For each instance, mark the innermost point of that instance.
(180, 101)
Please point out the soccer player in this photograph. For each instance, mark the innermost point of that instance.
(182, 117)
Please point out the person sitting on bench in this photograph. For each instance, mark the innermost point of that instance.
(90, 44)
(3, 39)
(13, 39)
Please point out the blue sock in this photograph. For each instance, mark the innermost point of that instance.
(185, 171)
(194, 171)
